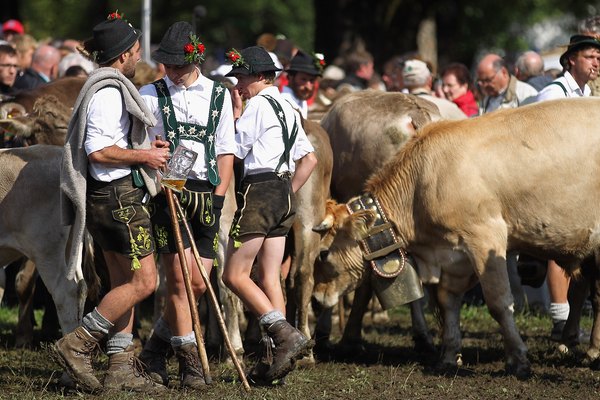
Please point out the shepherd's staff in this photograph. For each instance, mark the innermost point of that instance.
(188, 284)
(213, 297)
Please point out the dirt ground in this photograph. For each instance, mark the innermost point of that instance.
(385, 366)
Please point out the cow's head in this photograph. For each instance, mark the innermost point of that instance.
(47, 124)
(340, 267)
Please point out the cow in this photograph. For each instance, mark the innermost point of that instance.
(30, 225)
(461, 194)
(311, 206)
(366, 129)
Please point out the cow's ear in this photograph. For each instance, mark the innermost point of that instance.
(361, 223)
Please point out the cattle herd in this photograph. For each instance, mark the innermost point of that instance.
(458, 196)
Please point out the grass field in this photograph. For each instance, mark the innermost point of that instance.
(384, 367)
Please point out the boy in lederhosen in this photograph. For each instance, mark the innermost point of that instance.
(277, 160)
(195, 112)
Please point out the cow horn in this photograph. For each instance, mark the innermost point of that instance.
(7, 110)
(325, 225)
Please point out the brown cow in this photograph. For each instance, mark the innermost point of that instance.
(462, 194)
(366, 129)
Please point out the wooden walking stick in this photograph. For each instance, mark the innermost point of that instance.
(188, 285)
(213, 300)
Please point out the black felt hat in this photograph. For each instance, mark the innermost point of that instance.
(111, 38)
(576, 43)
(172, 48)
(307, 63)
(252, 60)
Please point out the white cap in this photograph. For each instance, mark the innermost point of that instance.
(415, 73)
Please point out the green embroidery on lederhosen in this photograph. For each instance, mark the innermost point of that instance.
(288, 140)
(161, 235)
(176, 130)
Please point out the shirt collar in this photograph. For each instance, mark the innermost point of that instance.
(574, 87)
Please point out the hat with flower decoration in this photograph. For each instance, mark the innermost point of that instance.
(310, 64)
(249, 61)
(179, 46)
(111, 38)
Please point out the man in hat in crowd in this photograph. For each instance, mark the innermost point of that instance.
(194, 112)
(580, 63)
(277, 160)
(303, 72)
(106, 183)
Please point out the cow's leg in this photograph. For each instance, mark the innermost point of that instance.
(421, 335)
(490, 265)
(579, 289)
(593, 352)
(25, 287)
(353, 330)
(450, 302)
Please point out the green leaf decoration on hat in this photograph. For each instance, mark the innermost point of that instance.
(194, 50)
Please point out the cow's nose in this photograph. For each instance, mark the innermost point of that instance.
(323, 255)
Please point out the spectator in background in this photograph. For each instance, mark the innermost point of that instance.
(418, 80)
(44, 68)
(392, 74)
(76, 71)
(457, 87)
(529, 68)
(499, 87)
(9, 65)
(72, 60)
(12, 28)
(303, 73)
(25, 45)
(359, 71)
(580, 64)
(591, 27)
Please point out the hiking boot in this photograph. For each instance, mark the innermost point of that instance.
(125, 372)
(290, 345)
(74, 353)
(191, 374)
(154, 356)
(258, 374)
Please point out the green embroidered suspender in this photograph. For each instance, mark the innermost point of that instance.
(288, 140)
(176, 130)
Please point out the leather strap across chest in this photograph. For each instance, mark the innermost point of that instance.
(288, 139)
(177, 131)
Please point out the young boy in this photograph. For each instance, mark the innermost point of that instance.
(277, 159)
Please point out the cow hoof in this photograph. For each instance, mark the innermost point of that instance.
(306, 362)
(521, 371)
(424, 345)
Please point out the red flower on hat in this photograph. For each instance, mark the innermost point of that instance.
(319, 61)
(115, 15)
(236, 58)
(194, 50)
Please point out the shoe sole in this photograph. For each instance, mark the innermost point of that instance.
(58, 358)
(284, 369)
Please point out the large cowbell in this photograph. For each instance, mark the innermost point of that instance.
(395, 279)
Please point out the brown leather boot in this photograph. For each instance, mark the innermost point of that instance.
(290, 345)
(191, 374)
(125, 372)
(74, 353)
(154, 356)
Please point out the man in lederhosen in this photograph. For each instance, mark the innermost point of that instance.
(277, 160)
(194, 112)
(109, 171)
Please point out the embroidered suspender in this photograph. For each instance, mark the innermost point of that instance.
(288, 140)
(176, 130)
